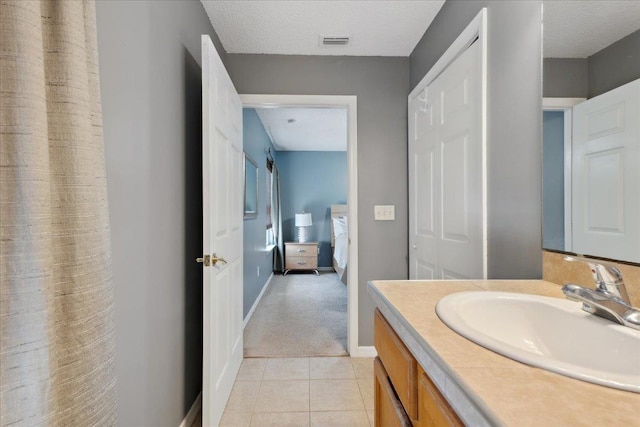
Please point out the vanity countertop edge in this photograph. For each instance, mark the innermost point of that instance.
(483, 387)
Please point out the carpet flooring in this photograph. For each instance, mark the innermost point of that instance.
(300, 315)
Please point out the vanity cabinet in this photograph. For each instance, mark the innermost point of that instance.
(389, 411)
(433, 408)
(404, 393)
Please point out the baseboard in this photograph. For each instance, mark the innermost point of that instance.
(325, 269)
(255, 304)
(193, 412)
(365, 351)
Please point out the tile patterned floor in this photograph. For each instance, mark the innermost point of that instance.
(302, 391)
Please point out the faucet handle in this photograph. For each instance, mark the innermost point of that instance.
(606, 275)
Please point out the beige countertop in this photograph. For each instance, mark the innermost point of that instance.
(484, 387)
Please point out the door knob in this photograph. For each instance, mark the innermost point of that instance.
(215, 259)
(206, 260)
(210, 260)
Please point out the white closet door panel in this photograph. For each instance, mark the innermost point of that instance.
(425, 222)
(423, 219)
(446, 174)
(455, 194)
(425, 271)
(461, 245)
(446, 274)
(606, 174)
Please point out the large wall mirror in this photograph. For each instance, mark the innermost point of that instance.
(250, 187)
(591, 128)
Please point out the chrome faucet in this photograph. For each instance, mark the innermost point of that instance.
(609, 299)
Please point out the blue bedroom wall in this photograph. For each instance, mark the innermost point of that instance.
(257, 260)
(553, 180)
(312, 181)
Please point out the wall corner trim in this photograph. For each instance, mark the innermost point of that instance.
(365, 351)
(255, 304)
(554, 103)
(193, 412)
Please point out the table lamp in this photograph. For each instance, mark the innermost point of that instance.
(303, 220)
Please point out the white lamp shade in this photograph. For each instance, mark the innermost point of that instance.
(303, 220)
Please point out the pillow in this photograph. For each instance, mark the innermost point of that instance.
(339, 226)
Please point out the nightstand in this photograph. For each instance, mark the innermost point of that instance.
(300, 256)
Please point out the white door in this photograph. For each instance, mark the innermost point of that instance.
(423, 236)
(446, 174)
(222, 181)
(461, 250)
(606, 173)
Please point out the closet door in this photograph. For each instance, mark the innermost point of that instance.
(423, 235)
(461, 248)
(446, 174)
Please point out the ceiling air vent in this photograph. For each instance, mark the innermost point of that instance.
(334, 41)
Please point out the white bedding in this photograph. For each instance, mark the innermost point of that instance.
(340, 251)
(340, 248)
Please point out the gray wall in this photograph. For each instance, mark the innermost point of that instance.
(257, 262)
(565, 78)
(312, 181)
(381, 86)
(514, 134)
(614, 65)
(151, 100)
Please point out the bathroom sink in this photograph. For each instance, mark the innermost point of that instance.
(550, 333)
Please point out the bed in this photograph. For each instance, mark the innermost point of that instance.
(339, 240)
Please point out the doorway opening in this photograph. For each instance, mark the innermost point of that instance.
(348, 105)
(557, 116)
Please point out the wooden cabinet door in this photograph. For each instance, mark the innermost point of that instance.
(399, 363)
(388, 409)
(433, 408)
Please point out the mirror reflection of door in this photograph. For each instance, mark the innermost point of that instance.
(606, 174)
(590, 185)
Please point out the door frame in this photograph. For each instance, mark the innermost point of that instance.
(349, 103)
(566, 106)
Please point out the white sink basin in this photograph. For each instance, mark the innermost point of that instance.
(550, 333)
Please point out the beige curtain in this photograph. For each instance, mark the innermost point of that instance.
(57, 355)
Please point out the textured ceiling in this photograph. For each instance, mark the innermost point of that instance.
(572, 29)
(376, 28)
(314, 129)
(578, 29)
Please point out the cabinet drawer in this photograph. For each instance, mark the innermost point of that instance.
(294, 250)
(388, 409)
(297, 263)
(434, 409)
(399, 363)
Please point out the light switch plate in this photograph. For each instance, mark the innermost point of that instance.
(384, 212)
